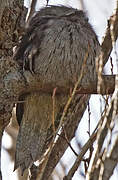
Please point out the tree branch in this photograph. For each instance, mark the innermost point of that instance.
(85, 148)
(107, 42)
(109, 164)
(111, 161)
(13, 83)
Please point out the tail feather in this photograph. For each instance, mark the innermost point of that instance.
(36, 120)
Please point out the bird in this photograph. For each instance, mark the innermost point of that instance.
(53, 49)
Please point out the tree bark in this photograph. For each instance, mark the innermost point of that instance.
(10, 29)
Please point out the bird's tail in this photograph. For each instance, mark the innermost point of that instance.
(36, 119)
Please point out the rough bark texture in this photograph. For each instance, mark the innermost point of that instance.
(10, 30)
(107, 43)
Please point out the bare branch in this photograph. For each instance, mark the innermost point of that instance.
(107, 42)
(32, 9)
(80, 156)
(105, 122)
(108, 164)
(111, 161)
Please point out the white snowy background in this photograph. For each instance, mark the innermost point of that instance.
(98, 12)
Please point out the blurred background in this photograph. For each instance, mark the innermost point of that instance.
(98, 13)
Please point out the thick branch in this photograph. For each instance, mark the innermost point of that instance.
(13, 83)
(109, 164)
(107, 86)
(107, 42)
(111, 161)
(10, 83)
(10, 11)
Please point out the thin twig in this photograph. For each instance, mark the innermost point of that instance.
(73, 119)
(82, 5)
(32, 9)
(108, 119)
(47, 2)
(80, 156)
(99, 68)
(102, 131)
(89, 120)
(111, 62)
(66, 139)
(53, 110)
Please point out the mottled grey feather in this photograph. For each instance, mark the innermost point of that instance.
(53, 48)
